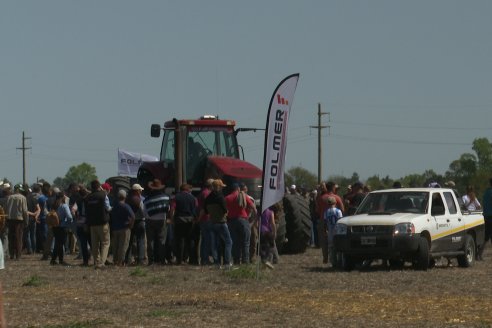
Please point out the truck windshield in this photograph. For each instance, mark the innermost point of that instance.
(394, 202)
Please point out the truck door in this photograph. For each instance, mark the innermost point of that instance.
(456, 221)
(441, 240)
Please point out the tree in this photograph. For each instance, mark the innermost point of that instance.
(300, 177)
(462, 170)
(82, 174)
(413, 180)
(483, 149)
(375, 182)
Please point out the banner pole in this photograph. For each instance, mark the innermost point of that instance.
(273, 184)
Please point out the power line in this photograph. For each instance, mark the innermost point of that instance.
(430, 127)
(415, 142)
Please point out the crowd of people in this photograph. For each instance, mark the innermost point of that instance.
(142, 226)
(146, 226)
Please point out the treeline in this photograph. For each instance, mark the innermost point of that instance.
(470, 169)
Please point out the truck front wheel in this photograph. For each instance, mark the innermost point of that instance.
(348, 262)
(422, 259)
(468, 259)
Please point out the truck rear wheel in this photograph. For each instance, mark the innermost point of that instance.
(422, 259)
(468, 259)
(298, 223)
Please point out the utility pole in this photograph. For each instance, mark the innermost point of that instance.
(319, 127)
(24, 148)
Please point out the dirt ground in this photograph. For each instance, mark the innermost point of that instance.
(299, 292)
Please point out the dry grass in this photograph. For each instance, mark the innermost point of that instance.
(300, 292)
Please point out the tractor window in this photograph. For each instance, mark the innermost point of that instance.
(215, 141)
(167, 150)
(203, 142)
(228, 146)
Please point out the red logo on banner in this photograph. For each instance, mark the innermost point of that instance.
(281, 100)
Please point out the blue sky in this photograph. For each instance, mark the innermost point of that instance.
(407, 83)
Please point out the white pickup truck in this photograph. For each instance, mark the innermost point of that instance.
(409, 224)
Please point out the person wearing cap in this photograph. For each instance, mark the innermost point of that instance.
(293, 189)
(17, 218)
(327, 191)
(122, 218)
(5, 189)
(183, 214)
(215, 206)
(205, 224)
(97, 211)
(239, 205)
(450, 184)
(330, 217)
(157, 207)
(355, 197)
(136, 253)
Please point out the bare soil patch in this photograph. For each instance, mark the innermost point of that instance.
(300, 292)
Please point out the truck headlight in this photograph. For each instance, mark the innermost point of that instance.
(406, 228)
(340, 229)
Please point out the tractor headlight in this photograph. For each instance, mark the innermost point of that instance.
(340, 229)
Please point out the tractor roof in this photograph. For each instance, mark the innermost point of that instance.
(206, 120)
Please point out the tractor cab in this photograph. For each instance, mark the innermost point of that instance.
(194, 150)
(189, 143)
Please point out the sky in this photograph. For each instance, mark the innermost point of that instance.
(407, 84)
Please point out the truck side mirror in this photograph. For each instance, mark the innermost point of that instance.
(155, 130)
(437, 210)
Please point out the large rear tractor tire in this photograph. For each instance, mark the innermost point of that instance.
(281, 239)
(120, 183)
(298, 224)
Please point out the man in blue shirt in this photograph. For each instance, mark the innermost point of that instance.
(487, 213)
(122, 218)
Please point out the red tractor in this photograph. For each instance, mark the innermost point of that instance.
(195, 150)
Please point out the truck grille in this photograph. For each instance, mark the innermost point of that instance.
(372, 229)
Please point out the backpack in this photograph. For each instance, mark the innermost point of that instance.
(52, 219)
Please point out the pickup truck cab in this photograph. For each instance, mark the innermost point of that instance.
(409, 224)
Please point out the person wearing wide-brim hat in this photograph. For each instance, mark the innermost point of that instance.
(156, 184)
(215, 206)
(157, 206)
